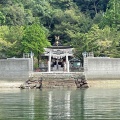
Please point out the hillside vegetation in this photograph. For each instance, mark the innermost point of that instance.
(87, 25)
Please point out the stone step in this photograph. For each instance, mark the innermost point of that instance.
(55, 75)
(57, 79)
(61, 84)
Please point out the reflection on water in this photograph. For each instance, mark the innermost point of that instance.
(31, 106)
(60, 104)
(50, 104)
(67, 104)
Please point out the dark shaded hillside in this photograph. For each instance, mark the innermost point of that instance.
(92, 7)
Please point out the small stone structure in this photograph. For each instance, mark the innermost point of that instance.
(31, 83)
(58, 80)
(81, 82)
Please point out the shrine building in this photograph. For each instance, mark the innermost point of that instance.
(58, 57)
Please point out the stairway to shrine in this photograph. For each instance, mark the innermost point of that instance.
(58, 79)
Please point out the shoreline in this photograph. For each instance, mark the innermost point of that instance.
(91, 84)
(104, 83)
(10, 84)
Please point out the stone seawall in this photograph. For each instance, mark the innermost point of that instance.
(103, 68)
(15, 68)
(18, 70)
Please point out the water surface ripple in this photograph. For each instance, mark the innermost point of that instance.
(60, 104)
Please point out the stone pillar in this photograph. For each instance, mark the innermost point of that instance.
(68, 67)
(67, 63)
(31, 56)
(85, 63)
(49, 62)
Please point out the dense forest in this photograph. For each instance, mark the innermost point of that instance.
(87, 25)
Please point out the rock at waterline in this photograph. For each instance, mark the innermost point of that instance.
(81, 82)
(30, 83)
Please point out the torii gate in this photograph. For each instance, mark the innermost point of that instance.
(58, 52)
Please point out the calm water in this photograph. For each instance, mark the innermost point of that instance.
(60, 104)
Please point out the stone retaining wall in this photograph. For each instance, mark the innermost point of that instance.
(15, 68)
(97, 68)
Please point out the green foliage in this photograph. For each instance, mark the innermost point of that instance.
(112, 15)
(11, 40)
(2, 18)
(78, 41)
(62, 4)
(71, 20)
(92, 7)
(4, 44)
(102, 42)
(34, 39)
(85, 24)
(14, 15)
(98, 40)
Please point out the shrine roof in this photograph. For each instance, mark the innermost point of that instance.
(74, 60)
(60, 47)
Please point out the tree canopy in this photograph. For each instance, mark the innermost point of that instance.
(34, 39)
(87, 25)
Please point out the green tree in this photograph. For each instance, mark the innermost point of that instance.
(71, 20)
(98, 40)
(11, 40)
(14, 36)
(112, 15)
(44, 11)
(103, 42)
(2, 18)
(5, 45)
(14, 14)
(78, 41)
(62, 4)
(92, 7)
(115, 48)
(35, 39)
